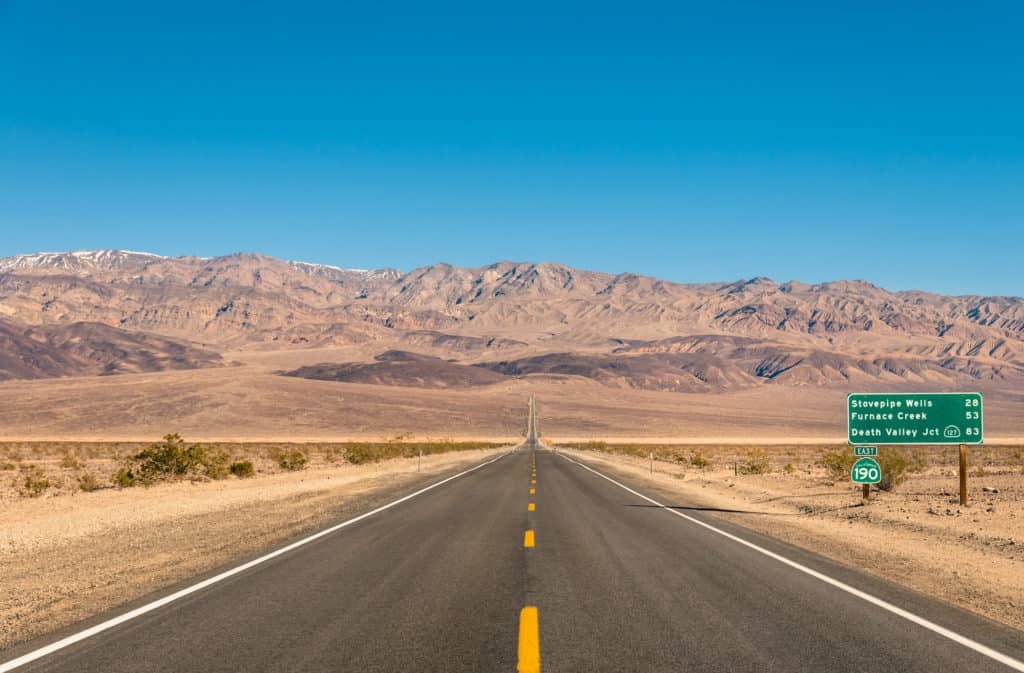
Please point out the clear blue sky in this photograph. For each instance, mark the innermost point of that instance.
(712, 141)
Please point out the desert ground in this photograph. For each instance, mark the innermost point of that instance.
(251, 402)
(110, 545)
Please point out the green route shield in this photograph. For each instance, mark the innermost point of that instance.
(866, 471)
(914, 418)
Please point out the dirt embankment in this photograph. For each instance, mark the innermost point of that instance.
(917, 535)
(66, 558)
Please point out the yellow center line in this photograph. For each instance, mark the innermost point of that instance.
(529, 641)
(531, 507)
(528, 541)
(533, 491)
(533, 481)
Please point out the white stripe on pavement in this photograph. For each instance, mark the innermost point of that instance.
(1004, 659)
(159, 603)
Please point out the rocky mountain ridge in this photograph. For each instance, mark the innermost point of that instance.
(617, 328)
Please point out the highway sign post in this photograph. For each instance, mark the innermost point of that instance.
(917, 418)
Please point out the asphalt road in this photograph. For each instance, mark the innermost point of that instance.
(438, 583)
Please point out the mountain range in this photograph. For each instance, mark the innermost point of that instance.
(112, 311)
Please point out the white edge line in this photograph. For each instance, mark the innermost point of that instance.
(159, 603)
(1006, 660)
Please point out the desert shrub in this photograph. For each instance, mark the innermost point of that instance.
(7, 465)
(34, 482)
(838, 464)
(215, 464)
(699, 461)
(357, 454)
(895, 464)
(169, 460)
(332, 454)
(172, 458)
(123, 478)
(242, 469)
(88, 483)
(788, 468)
(289, 459)
(756, 462)
(70, 461)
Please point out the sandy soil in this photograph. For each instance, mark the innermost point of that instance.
(917, 536)
(65, 558)
(251, 403)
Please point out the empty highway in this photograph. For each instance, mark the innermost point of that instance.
(532, 562)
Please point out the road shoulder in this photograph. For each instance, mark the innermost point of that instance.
(65, 560)
(989, 585)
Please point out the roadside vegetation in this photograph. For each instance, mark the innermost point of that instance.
(34, 482)
(170, 460)
(832, 463)
(897, 464)
(243, 469)
(289, 460)
(374, 452)
(46, 469)
(755, 462)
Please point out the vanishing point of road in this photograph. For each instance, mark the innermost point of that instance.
(531, 561)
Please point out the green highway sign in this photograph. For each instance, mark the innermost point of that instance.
(914, 418)
(865, 450)
(866, 471)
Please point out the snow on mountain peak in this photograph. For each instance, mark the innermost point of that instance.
(78, 260)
